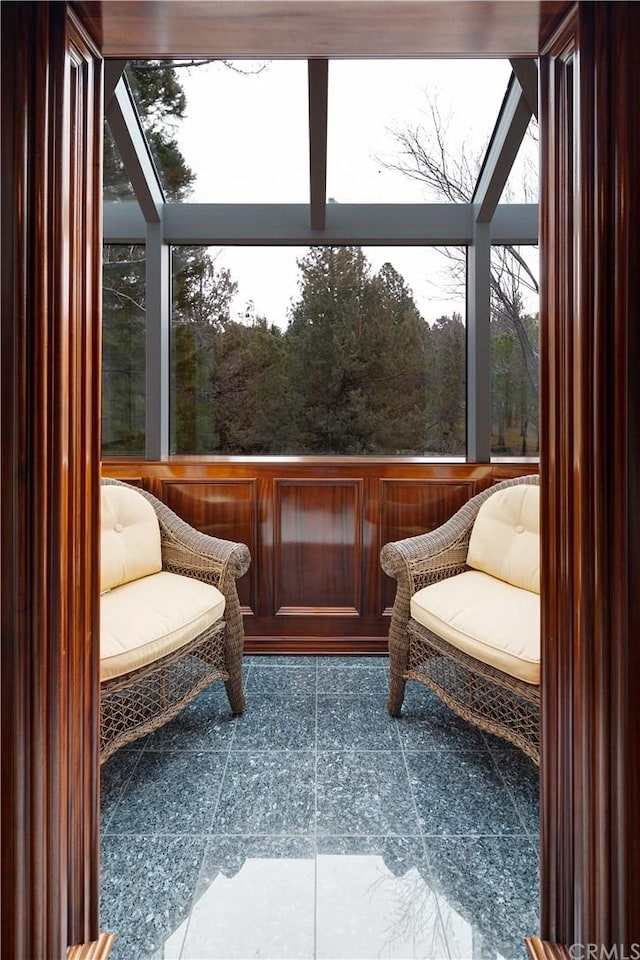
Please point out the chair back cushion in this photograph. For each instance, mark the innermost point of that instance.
(130, 537)
(505, 540)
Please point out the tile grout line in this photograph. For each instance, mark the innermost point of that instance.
(510, 792)
(424, 844)
(209, 834)
(315, 829)
(105, 830)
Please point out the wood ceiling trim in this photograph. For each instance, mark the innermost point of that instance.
(321, 28)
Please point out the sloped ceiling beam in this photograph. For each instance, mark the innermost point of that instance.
(124, 121)
(506, 138)
(318, 100)
(113, 70)
(526, 71)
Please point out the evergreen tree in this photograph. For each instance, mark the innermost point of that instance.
(201, 299)
(355, 355)
(446, 429)
(123, 350)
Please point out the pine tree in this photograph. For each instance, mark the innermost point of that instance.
(356, 357)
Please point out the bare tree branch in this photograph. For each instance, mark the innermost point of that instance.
(425, 155)
(124, 296)
(198, 62)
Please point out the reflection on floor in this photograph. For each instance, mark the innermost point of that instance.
(317, 826)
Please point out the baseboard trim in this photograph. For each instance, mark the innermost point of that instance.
(317, 646)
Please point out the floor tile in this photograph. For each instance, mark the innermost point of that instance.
(461, 793)
(355, 722)
(428, 724)
(254, 898)
(360, 793)
(173, 792)
(364, 793)
(275, 722)
(114, 776)
(488, 891)
(375, 898)
(146, 891)
(370, 681)
(286, 681)
(205, 724)
(523, 780)
(270, 792)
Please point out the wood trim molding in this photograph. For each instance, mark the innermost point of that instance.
(51, 242)
(99, 949)
(590, 770)
(544, 950)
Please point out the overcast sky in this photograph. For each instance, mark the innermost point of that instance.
(246, 138)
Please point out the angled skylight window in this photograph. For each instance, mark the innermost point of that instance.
(388, 118)
(522, 184)
(116, 185)
(240, 128)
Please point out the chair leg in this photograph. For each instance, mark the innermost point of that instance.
(235, 693)
(396, 695)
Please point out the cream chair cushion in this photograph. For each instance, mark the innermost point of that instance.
(505, 540)
(486, 618)
(130, 537)
(146, 619)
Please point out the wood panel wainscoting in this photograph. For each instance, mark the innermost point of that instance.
(315, 527)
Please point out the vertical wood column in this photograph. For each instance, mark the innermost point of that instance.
(590, 473)
(51, 237)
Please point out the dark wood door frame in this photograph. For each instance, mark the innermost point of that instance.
(590, 774)
(590, 844)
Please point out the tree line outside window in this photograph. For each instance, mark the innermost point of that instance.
(355, 369)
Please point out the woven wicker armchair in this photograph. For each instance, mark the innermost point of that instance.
(142, 698)
(491, 698)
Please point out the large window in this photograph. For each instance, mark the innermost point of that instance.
(324, 350)
(333, 324)
(123, 350)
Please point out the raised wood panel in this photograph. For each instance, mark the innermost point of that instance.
(507, 471)
(221, 508)
(318, 547)
(410, 507)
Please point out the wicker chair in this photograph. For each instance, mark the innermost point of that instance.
(140, 699)
(489, 697)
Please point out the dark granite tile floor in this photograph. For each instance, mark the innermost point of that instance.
(317, 826)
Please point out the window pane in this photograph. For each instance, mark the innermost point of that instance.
(515, 352)
(523, 180)
(320, 351)
(116, 183)
(388, 118)
(229, 132)
(123, 350)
